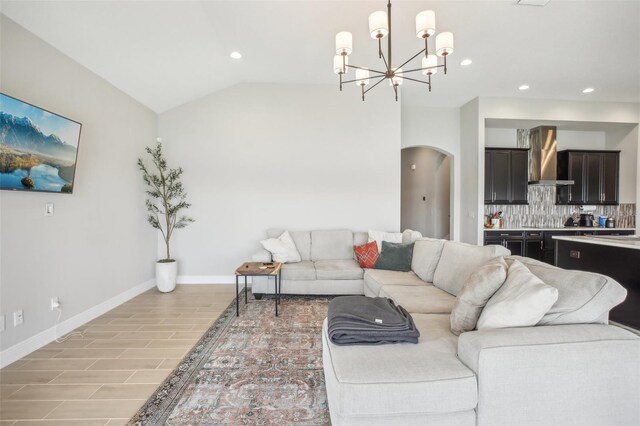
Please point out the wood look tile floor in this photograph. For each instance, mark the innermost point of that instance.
(105, 377)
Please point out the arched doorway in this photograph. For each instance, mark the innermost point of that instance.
(426, 192)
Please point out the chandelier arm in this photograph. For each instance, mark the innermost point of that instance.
(412, 58)
(422, 69)
(360, 79)
(416, 80)
(385, 62)
(379, 81)
(367, 69)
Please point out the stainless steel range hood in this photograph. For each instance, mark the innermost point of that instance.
(543, 157)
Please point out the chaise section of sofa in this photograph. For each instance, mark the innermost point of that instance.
(403, 384)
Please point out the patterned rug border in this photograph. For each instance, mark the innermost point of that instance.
(159, 405)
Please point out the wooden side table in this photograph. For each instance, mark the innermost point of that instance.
(258, 269)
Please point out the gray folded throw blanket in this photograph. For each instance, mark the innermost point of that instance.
(361, 320)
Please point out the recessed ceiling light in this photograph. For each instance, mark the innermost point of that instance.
(466, 62)
(236, 55)
(523, 87)
(588, 90)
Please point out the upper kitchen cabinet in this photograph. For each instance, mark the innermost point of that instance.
(595, 173)
(506, 176)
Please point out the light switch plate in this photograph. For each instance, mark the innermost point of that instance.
(1, 322)
(48, 209)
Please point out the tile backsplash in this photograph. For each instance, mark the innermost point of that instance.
(543, 212)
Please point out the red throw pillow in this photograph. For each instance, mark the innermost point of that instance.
(367, 254)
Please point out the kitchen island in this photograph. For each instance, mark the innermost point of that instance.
(615, 256)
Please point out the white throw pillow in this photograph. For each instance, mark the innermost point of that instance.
(522, 300)
(282, 249)
(409, 236)
(380, 236)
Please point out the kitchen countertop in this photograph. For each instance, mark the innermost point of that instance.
(603, 240)
(564, 228)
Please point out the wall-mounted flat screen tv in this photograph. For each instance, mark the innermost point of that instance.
(38, 148)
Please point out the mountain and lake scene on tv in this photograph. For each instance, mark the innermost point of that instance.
(38, 149)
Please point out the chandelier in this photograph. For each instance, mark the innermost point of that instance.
(380, 27)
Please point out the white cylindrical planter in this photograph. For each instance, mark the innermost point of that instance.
(166, 274)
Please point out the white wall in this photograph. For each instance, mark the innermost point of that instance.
(291, 156)
(97, 245)
(471, 193)
(625, 138)
(437, 128)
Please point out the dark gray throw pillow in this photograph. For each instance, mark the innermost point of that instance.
(395, 257)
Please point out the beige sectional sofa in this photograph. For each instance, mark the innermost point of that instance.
(573, 370)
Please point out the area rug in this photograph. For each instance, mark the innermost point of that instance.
(255, 369)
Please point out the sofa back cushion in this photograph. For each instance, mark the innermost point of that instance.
(360, 238)
(583, 297)
(302, 240)
(459, 260)
(331, 245)
(426, 255)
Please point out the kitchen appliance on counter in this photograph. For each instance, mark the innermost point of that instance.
(586, 220)
(572, 221)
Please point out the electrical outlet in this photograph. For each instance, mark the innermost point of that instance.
(55, 303)
(18, 317)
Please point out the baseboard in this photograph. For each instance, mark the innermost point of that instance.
(209, 279)
(47, 336)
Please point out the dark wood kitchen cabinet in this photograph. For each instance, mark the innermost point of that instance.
(512, 240)
(506, 176)
(596, 177)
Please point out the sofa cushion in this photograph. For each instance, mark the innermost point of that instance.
(346, 269)
(459, 260)
(522, 300)
(409, 236)
(331, 245)
(380, 236)
(374, 279)
(360, 238)
(366, 254)
(403, 378)
(304, 270)
(423, 299)
(282, 249)
(302, 240)
(395, 257)
(583, 297)
(477, 290)
(426, 255)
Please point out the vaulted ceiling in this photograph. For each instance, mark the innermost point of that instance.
(165, 53)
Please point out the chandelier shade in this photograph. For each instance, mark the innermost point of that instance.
(425, 23)
(340, 64)
(344, 43)
(378, 24)
(429, 65)
(362, 77)
(444, 44)
(380, 28)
